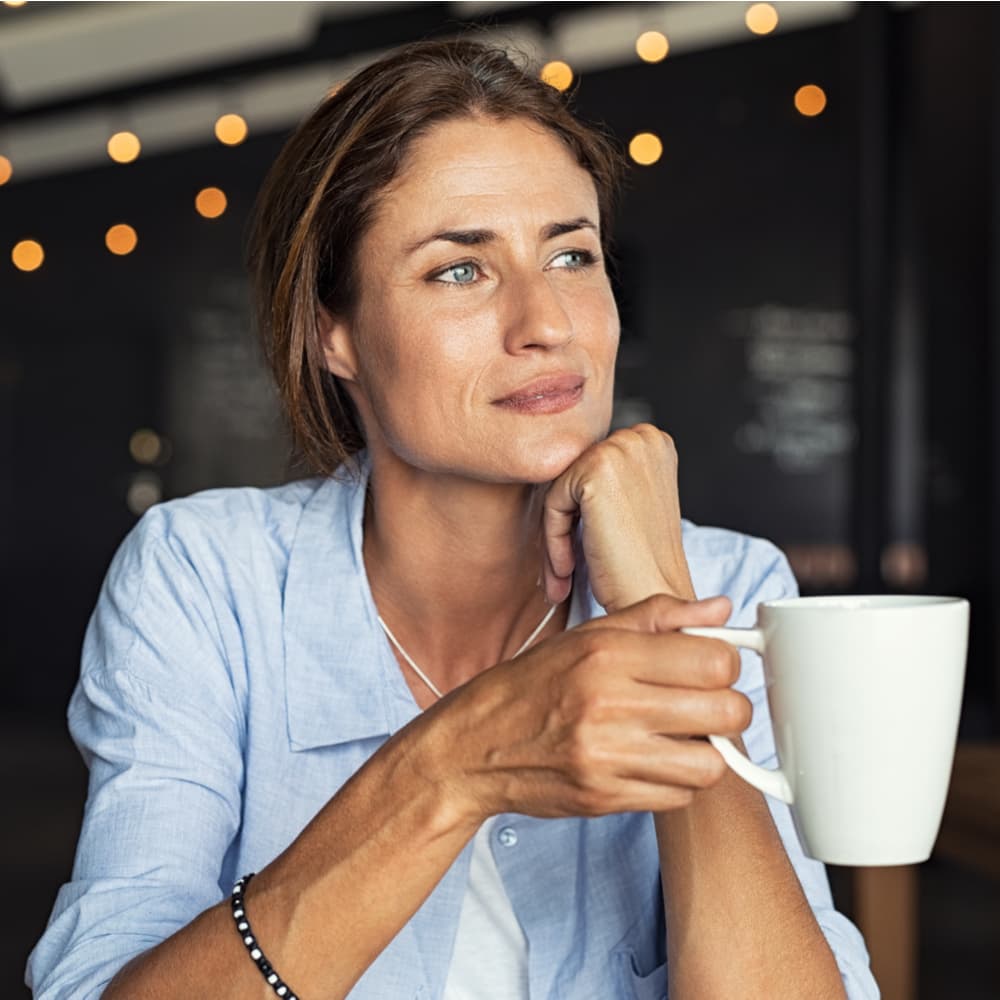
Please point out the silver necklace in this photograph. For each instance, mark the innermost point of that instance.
(406, 656)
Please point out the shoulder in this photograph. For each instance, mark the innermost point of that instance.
(201, 572)
(231, 524)
(230, 513)
(221, 540)
(745, 568)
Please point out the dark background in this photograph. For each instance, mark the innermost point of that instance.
(807, 308)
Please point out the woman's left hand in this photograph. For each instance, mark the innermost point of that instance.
(624, 489)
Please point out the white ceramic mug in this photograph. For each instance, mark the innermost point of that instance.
(865, 695)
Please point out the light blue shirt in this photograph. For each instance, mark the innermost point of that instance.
(234, 676)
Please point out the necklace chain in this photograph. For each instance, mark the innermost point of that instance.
(406, 656)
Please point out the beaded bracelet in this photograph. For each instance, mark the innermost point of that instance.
(243, 926)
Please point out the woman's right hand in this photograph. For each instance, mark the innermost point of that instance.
(596, 720)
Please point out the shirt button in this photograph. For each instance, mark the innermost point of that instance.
(507, 836)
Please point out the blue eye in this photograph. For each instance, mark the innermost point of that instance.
(457, 274)
(575, 259)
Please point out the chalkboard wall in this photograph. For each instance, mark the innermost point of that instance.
(737, 276)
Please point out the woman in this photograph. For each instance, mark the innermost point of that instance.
(436, 697)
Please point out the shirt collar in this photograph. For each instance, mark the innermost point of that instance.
(342, 681)
(339, 675)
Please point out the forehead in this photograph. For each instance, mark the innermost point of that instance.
(477, 170)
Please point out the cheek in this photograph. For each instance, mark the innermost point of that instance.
(414, 362)
(602, 325)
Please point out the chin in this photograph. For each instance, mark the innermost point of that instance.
(542, 462)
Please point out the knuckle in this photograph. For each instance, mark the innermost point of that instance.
(599, 706)
(589, 704)
(713, 768)
(589, 802)
(640, 432)
(677, 798)
(604, 461)
(582, 759)
(596, 647)
(731, 661)
(597, 661)
(735, 712)
(626, 442)
(660, 604)
(723, 664)
(588, 795)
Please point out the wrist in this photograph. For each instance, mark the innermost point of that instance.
(638, 591)
(436, 762)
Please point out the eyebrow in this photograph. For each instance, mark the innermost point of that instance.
(475, 237)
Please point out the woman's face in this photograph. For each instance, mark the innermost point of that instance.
(482, 277)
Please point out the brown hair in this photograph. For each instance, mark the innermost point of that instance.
(320, 195)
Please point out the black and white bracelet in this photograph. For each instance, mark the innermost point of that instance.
(260, 960)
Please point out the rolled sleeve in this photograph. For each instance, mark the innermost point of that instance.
(157, 719)
(773, 579)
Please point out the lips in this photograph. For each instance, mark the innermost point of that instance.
(549, 394)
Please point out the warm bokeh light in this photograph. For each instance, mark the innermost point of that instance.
(145, 446)
(144, 490)
(121, 239)
(761, 18)
(810, 100)
(124, 147)
(14, 3)
(231, 130)
(819, 566)
(652, 46)
(904, 565)
(27, 255)
(557, 74)
(6, 170)
(645, 148)
(210, 202)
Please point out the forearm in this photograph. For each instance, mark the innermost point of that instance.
(324, 909)
(738, 922)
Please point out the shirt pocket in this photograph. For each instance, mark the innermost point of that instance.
(638, 984)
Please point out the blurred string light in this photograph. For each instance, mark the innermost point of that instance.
(810, 100)
(557, 74)
(761, 18)
(121, 239)
(904, 564)
(645, 148)
(147, 447)
(144, 490)
(124, 147)
(652, 46)
(27, 255)
(210, 202)
(231, 130)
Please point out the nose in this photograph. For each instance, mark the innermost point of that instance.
(536, 315)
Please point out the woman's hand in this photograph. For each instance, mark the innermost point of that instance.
(594, 721)
(625, 490)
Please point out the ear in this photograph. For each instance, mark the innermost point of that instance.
(338, 344)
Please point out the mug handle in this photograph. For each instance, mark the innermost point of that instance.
(773, 783)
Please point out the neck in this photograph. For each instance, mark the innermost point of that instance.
(454, 566)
